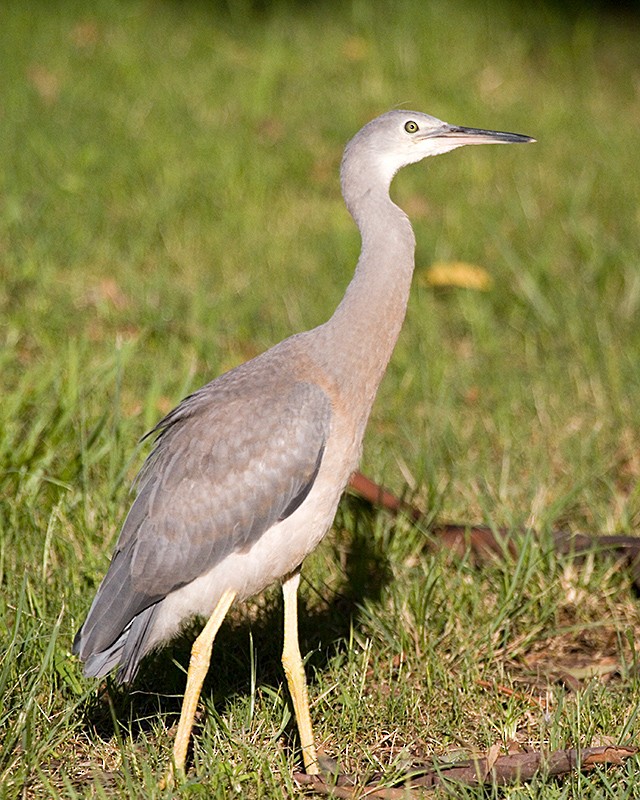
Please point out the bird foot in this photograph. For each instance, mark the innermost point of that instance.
(172, 777)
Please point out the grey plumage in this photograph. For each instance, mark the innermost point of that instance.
(247, 472)
(201, 497)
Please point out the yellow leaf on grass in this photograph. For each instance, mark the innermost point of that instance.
(355, 48)
(459, 274)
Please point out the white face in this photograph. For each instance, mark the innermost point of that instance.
(405, 137)
(397, 138)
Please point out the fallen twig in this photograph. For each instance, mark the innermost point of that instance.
(488, 769)
(485, 542)
(536, 702)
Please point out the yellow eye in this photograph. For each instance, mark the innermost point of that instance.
(411, 126)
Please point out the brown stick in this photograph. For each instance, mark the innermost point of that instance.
(536, 702)
(379, 496)
(508, 769)
(485, 542)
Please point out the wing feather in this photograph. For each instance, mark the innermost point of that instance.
(228, 463)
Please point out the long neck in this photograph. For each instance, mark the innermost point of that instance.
(361, 334)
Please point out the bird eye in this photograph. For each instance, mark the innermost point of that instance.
(411, 126)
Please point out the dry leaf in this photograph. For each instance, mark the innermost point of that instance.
(492, 756)
(355, 48)
(85, 34)
(457, 274)
(46, 84)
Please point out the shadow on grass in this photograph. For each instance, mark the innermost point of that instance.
(325, 623)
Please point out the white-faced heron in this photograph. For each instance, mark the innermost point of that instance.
(247, 472)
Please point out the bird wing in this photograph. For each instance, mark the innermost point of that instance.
(229, 462)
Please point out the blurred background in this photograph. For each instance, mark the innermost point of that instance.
(170, 193)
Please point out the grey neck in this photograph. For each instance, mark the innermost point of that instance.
(361, 334)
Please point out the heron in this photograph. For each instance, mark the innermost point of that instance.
(245, 474)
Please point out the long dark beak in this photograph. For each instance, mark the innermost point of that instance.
(480, 136)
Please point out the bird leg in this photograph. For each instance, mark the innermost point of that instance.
(294, 670)
(198, 668)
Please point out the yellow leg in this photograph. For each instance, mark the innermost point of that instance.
(198, 668)
(294, 670)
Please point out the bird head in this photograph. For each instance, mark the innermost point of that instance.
(397, 138)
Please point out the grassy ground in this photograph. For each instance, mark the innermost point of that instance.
(169, 206)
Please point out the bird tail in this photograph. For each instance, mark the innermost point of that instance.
(126, 652)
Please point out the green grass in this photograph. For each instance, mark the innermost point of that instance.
(169, 206)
